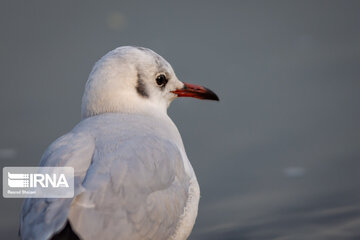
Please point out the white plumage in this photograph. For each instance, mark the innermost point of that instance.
(133, 179)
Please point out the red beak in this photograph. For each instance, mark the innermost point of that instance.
(196, 91)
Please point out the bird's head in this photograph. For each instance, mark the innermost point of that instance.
(135, 80)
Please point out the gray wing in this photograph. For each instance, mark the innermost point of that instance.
(136, 189)
(42, 217)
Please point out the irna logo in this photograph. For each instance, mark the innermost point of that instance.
(19, 180)
(38, 182)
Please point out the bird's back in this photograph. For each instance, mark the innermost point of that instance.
(137, 183)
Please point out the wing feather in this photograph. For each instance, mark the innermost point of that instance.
(134, 188)
(141, 195)
(42, 217)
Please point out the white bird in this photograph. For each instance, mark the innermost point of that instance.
(133, 179)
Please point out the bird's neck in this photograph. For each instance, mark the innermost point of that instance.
(129, 105)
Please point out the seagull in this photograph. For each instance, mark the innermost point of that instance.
(132, 177)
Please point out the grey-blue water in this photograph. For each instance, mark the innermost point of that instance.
(277, 158)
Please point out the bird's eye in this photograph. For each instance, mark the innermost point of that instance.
(161, 80)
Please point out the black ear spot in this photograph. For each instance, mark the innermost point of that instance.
(161, 80)
(140, 87)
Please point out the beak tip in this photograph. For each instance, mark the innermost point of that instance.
(213, 97)
(210, 95)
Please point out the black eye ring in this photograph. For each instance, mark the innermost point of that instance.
(161, 80)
